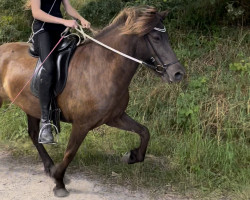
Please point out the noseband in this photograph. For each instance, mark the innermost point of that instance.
(162, 67)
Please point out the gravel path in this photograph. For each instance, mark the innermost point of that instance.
(23, 179)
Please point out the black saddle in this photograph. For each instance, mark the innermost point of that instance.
(65, 51)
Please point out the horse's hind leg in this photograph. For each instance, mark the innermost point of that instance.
(33, 129)
(127, 123)
(77, 136)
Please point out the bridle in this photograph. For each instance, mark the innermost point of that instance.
(160, 69)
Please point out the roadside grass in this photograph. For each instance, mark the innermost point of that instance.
(200, 128)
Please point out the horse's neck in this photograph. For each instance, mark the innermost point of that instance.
(124, 68)
(102, 70)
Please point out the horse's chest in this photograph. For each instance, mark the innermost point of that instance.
(114, 104)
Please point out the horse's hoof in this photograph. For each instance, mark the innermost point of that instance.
(62, 192)
(125, 158)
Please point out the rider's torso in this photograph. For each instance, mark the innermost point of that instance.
(46, 6)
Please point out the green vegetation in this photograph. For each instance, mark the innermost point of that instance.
(200, 129)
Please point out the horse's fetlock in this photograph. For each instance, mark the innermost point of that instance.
(54, 173)
(135, 157)
(48, 169)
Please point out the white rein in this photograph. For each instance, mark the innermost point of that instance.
(80, 30)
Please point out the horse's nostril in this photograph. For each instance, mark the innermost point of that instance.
(178, 76)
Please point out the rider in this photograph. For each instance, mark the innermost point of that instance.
(47, 28)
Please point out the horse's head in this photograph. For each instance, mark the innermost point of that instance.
(161, 53)
(153, 42)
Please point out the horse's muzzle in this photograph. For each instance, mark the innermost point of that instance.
(174, 73)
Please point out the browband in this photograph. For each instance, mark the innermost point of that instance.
(163, 30)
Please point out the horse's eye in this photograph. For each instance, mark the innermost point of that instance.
(157, 38)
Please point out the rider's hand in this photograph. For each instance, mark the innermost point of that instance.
(70, 23)
(85, 23)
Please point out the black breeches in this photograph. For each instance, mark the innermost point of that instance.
(45, 42)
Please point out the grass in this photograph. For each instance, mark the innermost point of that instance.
(200, 129)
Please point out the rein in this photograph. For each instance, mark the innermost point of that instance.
(155, 68)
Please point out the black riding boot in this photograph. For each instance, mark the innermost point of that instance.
(45, 134)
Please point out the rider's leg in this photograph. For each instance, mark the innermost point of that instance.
(46, 41)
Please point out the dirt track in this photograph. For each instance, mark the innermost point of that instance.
(23, 179)
(20, 179)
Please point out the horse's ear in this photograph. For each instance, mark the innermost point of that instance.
(163, 14)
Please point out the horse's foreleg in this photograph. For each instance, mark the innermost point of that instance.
(76, 138)
(127, 123)
(33, 129)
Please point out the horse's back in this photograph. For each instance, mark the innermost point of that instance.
(6, 55)
(14, 59)
(15, 46)
(12, 52)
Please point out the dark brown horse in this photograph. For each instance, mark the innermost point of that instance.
(96, 92)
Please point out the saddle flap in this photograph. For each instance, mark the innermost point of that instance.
(34, 85)
(63, 57)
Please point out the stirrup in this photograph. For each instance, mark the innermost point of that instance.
(40, 132)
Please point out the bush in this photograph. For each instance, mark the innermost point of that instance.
(184, 14)
(100, 12)
(202, 14)
(14, 21)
